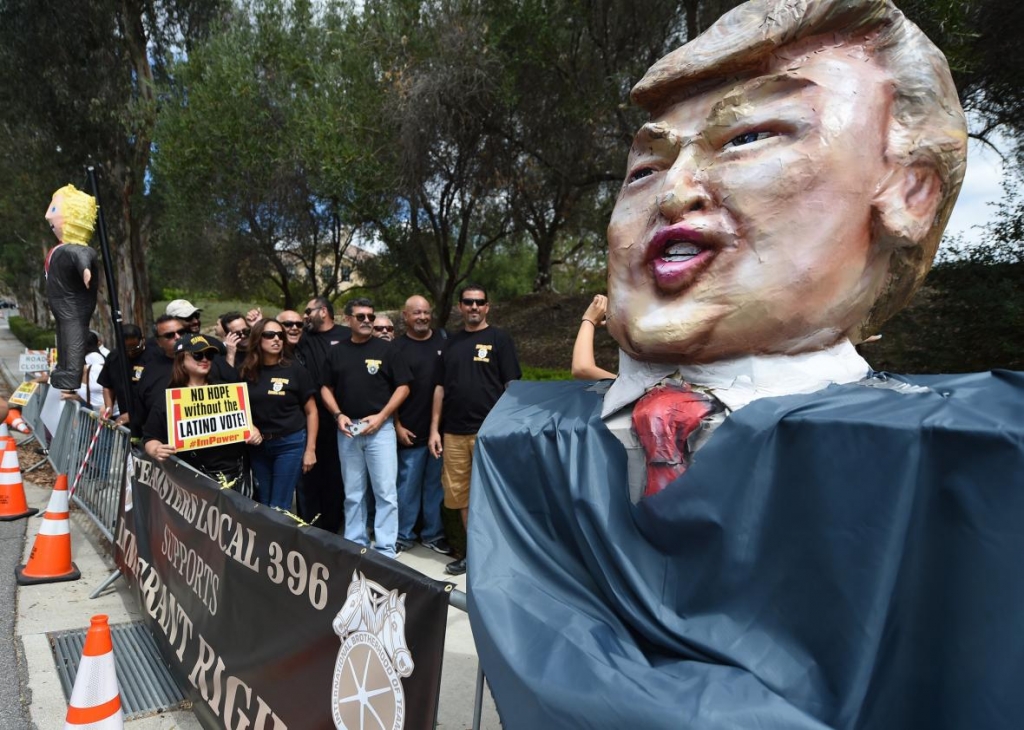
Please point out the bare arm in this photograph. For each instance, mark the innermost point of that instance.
(434, 441)
(584, 366)
(312, 427)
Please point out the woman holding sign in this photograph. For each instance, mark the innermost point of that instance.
(225, 463)
(283, 410)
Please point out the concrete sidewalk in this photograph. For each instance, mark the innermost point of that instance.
(60, 606)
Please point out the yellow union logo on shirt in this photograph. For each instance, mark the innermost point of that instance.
(277, 386)
(373, 366)
(483, 353)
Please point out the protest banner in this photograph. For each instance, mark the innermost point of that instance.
(21, 396)
(272, 625)
(210, 415)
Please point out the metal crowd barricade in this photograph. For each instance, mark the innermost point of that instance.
(102, 479)
(33, 415)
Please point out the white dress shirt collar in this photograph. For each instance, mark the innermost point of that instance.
(742, 380)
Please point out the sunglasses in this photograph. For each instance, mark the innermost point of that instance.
(365, 317)
(241, 333)
(467, 302)
(204, 355)
(291, 324)
(192, 317)
(272, 335)
(310, 310)
(383, 328)
(173, 335)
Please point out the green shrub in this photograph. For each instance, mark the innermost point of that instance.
(532, 373)
(32, 337)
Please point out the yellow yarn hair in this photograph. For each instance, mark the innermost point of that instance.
(79, 210)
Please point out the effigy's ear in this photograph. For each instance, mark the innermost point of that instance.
(908, 201)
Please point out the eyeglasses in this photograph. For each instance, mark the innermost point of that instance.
(363, 317)
(291, 324)
(467, 302)
(383, 328)
(204, 355)
(273, 335)
(173, 335)
(310, 310)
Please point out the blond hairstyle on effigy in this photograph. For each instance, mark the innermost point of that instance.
(928, 124)
(79, 210)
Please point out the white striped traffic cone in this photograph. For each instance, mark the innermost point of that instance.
(95, 700)
(16, 422)
(50, 559)
(12, 490)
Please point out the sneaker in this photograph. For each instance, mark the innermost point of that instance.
(440, 545)
(456, 567)
(402, 545)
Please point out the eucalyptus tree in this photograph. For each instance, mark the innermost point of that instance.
(79, 86)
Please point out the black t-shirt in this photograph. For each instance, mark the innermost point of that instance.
(364, 376)
(226, 458)
(475, 366)
(157, 374)
(313, 349)
(423, 358)
(278, 398)
(108, 378)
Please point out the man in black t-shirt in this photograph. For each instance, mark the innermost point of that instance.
(419, 472)
(320, 490)
(477, 365)
(156, 369)
(135, 347)
(366, 382)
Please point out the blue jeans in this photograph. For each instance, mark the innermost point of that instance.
(375, 456)
(277, 466)
(419, 483)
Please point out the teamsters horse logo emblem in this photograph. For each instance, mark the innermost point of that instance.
(373, 658)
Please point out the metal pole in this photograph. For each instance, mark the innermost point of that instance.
(123, 378)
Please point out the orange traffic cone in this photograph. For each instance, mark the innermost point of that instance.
(12, 491)
(95, 700)
(15, 421)
(50, 559)
(5, 433)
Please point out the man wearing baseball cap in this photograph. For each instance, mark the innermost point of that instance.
(184, 310)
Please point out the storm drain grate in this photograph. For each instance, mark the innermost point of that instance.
(147, 686)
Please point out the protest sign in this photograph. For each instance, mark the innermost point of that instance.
(20, 396)
(210, 415)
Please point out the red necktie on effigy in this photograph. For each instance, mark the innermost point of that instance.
(664, 418)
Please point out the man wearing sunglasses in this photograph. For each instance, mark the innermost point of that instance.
(157, 365)
(293, 325)
(188, 313)
(366, 381)
(320, 490)
(476, 366)
(384, 328)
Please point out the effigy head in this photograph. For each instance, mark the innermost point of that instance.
(72, 215)
(791, 188)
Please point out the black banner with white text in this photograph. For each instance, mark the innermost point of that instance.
(271, 625)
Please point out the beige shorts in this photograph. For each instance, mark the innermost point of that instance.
(457, 469)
